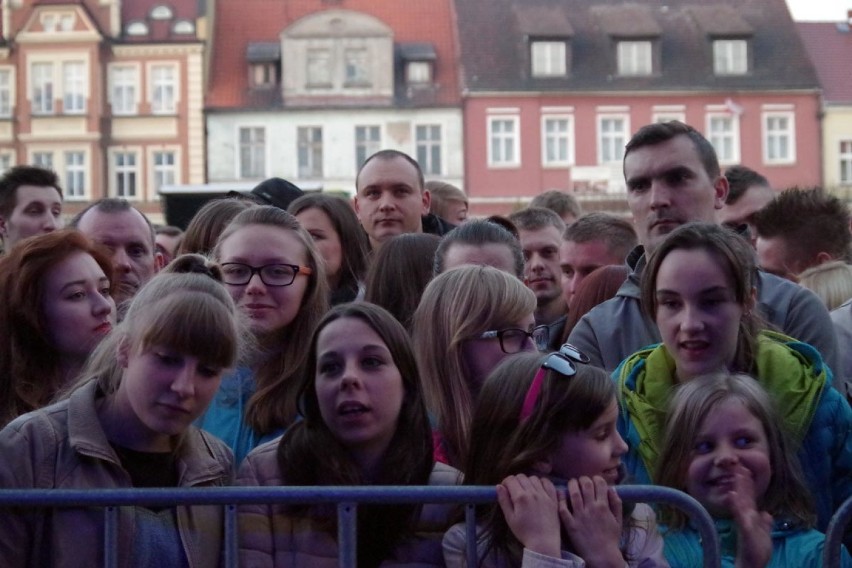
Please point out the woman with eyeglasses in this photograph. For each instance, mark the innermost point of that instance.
(276, 278)
(542, 420)
(469, 319)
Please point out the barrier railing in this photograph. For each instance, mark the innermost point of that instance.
(835, 533)
(346, 498)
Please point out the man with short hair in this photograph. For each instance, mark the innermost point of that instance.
(563, 204)
(540, 232)
(391, 199)
(30, 203)
(748, 192)
(594, 240)
(167, 240)
(128, 236)
(480, 242)
(673, 177)
(802, 228)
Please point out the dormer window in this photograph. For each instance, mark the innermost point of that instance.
(418, 61)
(548, 58)
(137, 29)
(263, 59)
(161, 12)
(183, 27)
(418, 72)
(635, 58)
(357, 68)
(730, 57)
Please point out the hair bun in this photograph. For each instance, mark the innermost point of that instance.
(195, 263)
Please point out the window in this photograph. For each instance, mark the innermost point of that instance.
(779, 139)
(557, 146)
(367, 142)
(124, 170)
(634, 58)
(43, 159)
(418, 72)
(723, 134)
(730, 57)
(57, 22)
(309, 139)
(42, 84)
(137, 29)
(5, 92)
(5, 161)
(75, 175)
(548, 58)
(123, 92)
(164, 169)
(428, 141)
(319, 68)
(612, 137)
(163, 89)
(252, 152)
(846, 162)
(263, 75)
(183, 27)
(356, 65)
(503, 141)
(74, 87)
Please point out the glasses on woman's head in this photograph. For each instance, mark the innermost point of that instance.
(563, 362)
(239, 274)
(513, 340)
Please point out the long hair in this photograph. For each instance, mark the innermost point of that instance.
(309, 454)
(29, 363)
(207, 224)
(273, 405)
(736, 257)
(786, 496)
(598, 287)
(353, 240)
(459, 305)
(502, 445)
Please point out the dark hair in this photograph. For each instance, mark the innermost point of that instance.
(480, 232)
(168, 230)
(537, 218)
(353, 241)
(29, 364)
(392, 155)
(653, 134)
(599, 286)
(399, 273)
(740, 179)
(17, 176)
(207, 224)
(809, 221)
(735, 256)
(618, 234)
(505, 223)
(111, 205)
(559, 202)
(309, 454)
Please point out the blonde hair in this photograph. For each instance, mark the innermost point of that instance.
(456, 306)
(831, 281)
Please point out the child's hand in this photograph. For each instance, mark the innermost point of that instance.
(754, 528)
(530, 506)
(594, 522)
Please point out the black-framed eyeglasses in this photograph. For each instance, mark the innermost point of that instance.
(239, 274)
(513, 340)
(562, 362)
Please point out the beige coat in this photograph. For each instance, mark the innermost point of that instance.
(269, 537)
(63, 446)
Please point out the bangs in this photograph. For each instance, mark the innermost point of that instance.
(195, 324)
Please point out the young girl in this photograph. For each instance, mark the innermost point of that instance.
(129, 424)
(723, 445)
(542, 418)
(276, 277)
(364, 424)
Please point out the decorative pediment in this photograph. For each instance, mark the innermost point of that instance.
(51, 24)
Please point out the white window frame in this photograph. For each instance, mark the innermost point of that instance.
(549, 138)
(42, 159)
(42, 87)
(715, 136)
(309, 152)
(418, 72)
(844, 161)
(508, 141)
(319, 68)
(75, 175)
(772, 136)
(163, 174)
(611, 143)
(7, 160)
(258, 152)
(429, 149)
(74, 91)
(368, 141)
(730, 56)
(124, 89)
(129, 172)
(635, 58)
(659, 117)
(548, 58)
(357, 58)
(263, 75)
(7, 91)
(163, 89)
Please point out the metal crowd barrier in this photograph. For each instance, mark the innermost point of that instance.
(835, 533)
(346, 498)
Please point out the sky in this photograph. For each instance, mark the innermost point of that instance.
(819, 10)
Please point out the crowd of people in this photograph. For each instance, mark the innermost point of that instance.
(290, 339)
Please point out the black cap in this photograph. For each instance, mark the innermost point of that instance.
(273, 191)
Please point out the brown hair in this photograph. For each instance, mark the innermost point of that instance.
(207, 224)
(596, 288)
(17, 176)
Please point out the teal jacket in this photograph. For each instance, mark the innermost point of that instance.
(791, 547)
(816, 415)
